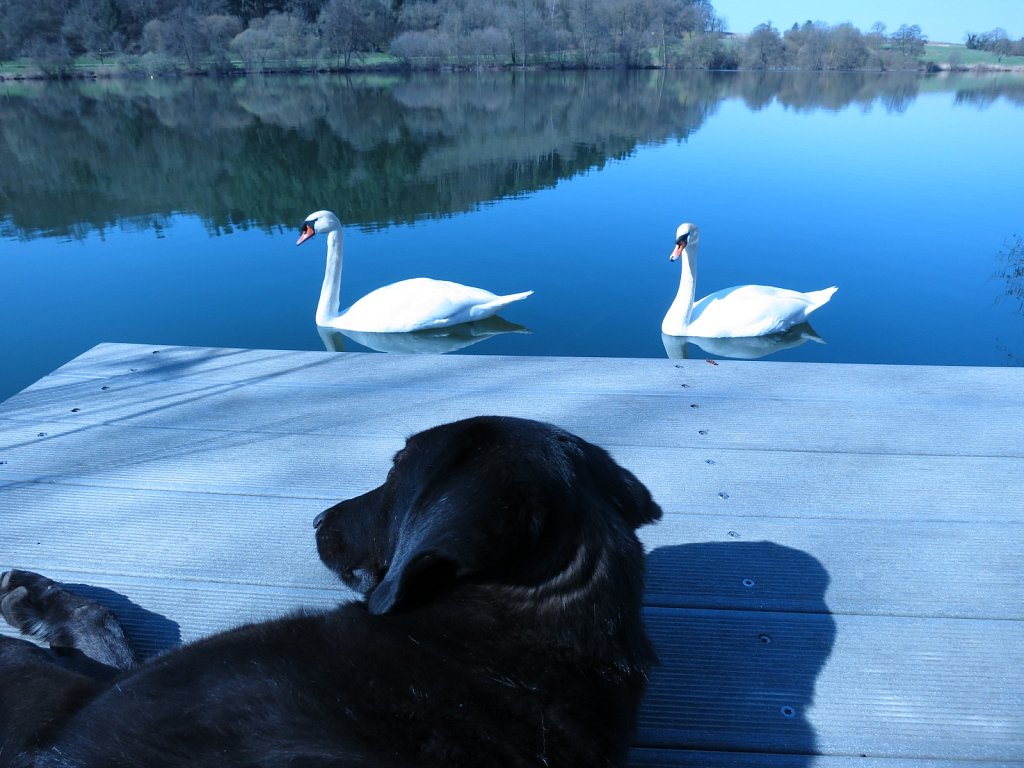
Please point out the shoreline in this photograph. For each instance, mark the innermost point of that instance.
(116, 72)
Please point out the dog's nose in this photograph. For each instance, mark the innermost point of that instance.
(319, 519)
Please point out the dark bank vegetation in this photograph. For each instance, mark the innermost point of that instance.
(64, 37)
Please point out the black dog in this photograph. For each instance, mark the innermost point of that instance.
(501, 627)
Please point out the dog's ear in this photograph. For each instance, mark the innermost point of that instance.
(425, 574)
(635, 501)
(430, 554)
(621, 487)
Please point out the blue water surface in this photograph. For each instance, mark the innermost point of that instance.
(914, 213)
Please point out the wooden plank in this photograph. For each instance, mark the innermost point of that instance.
(159, 612)
(180, 537)
(856, 685)
(689, 479)
(952, 570)
(675, 420)
(934, 418)
(765, 380)
(836, 685)
(903, 567)
(670, 758)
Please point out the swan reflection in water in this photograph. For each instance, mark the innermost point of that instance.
(431, 341)
(742, 348)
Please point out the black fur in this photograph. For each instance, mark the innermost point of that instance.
(501, 627)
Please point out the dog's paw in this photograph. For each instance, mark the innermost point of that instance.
(44, 610)
(37, 606)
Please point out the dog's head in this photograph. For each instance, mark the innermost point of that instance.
(510, 504)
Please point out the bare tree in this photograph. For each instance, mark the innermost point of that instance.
(32, 28)
(178, 35)
(586, 30)
(526, 20)
(248, 10)
(424, 46)
(763, 48)
(847, 49)
(909, 41)
(276, 39)
(94, 26)
(220, 30)
(696, 16)
(875, 37)
(349, 28)
(807, 46)
(419, 15)
(628, 23)
(480, 29)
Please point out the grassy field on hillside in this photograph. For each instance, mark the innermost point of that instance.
(961, 55)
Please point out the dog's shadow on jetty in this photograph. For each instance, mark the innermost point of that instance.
(149, 633)
(742, 631)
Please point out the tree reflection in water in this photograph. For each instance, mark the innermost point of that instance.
(1011, 271)
(81, 157)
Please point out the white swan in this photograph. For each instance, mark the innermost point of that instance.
(744, 310)
(408, 305)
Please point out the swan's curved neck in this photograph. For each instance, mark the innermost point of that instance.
(677, 319)
(330, 293)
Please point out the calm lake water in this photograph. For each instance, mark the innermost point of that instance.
(166, 212)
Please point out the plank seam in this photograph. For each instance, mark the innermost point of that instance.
(124, 423)
(760, 610)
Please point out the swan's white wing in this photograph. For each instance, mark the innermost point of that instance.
(418, 303)
(749, 310)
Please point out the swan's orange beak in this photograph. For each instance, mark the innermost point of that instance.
(680, 246)
(304, 234)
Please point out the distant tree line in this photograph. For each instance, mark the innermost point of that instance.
(819, 46)
(212, 35)
(284, 33)
(997, 42)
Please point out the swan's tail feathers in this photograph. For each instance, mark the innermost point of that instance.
(503, 300)
(819, 298)
(498, 302)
